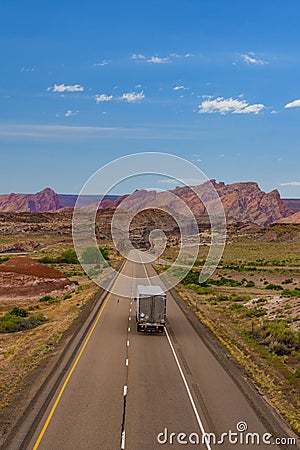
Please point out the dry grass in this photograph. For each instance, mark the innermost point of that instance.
(22, 352)
(273, 375)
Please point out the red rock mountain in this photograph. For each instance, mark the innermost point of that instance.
(242, 202)
(46, 200)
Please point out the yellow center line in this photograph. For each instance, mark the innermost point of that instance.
(74, 366)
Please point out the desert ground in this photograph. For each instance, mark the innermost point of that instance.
(251, 303)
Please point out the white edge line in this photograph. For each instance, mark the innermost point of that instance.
(188, 392)
(125, 391)
(127, 362)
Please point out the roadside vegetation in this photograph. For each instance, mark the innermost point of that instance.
(31, 329)
(18, 319)
(252, 305)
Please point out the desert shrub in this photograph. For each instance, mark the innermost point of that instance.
(223, 281)
(260, 301)
(250, 284)
(280, 338)
(274, 287)
(200, 289)
(279, 348)
(47, 260)
(47, 298)
(220, 298)
(93, 273)
(288, 281)
(253, 312)
(18, 312)
(92, 255)
(237, 307)
(66, 296)
(52, 300)
(291, 292)
(192, 278)
(68, 257)
(11, 323)
(5, 258)
(239, 298)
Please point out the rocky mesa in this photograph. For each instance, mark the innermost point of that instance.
(43, 201)
(242, 202)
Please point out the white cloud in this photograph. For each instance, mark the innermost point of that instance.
(132, 97)
(251, 58)
(58, 131)
(28, 69)
(103, 98)
(102, 63)
(229, 105)
(178, 88)
(66, 88)
(158, 60)
(70, 113)
(177, 55)
(291, 183)
(294, 104)
(151, 59)
(138, 56)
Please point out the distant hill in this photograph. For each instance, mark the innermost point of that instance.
(44, 201)
(292, 203)
(69, 200)
(293, 219)
(242, 202)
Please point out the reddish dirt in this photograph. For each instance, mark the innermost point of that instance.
(27, 266)
(25, 278)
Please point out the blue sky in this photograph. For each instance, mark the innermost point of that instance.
(214, 82)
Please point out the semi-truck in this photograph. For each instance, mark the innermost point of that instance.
(151, 307)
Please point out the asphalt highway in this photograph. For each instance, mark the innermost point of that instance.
(129, 390)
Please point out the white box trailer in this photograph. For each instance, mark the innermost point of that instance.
(151, 307)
